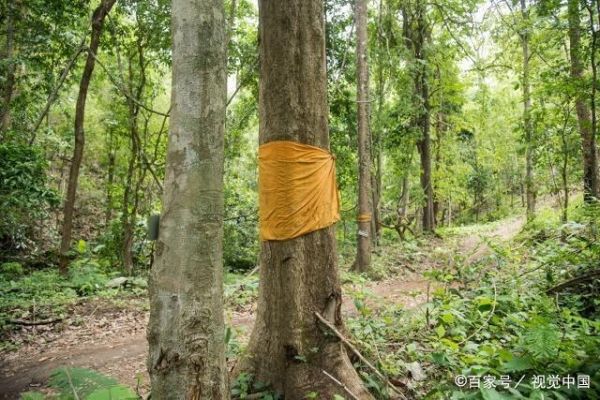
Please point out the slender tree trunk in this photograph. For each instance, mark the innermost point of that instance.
(8, 56)
(565, 177)
(424, 147)
(135, 170)
(289, 349)
(186, 328)
(365, 209)
(110, 179)
(416, 33)
(586, 127)
(377, 135)
(529, 167)
(69, 207)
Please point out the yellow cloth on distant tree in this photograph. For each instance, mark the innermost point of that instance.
(297, 190)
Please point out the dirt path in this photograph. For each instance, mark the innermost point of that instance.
(115, 344)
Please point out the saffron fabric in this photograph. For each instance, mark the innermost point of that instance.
(297, 190)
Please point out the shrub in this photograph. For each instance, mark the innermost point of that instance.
(25, 197)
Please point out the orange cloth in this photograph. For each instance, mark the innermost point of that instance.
(297, 190)
(364, 218)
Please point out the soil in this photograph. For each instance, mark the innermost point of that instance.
(112, 338)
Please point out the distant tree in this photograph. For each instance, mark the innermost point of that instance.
(586, 131)
(525, 35)
(98, 17)
(417, 34)
(365, 197)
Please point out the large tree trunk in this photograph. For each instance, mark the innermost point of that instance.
(288, 348)
(363, 255)
(529, 167)
(588, 140)
(186, 328)
(97, 23)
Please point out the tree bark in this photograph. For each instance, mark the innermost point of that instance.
(365, 200)
(288, 348)
(529, 167)
(97, 23)
(586, 131)
(416, 34)
(9, 84)
(186, 328)
(110, 179)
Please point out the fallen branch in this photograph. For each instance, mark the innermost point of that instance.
(571, 282)
(34, 323)
(358, 354)
(336, 381)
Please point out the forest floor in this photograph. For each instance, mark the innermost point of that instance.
(110, 335)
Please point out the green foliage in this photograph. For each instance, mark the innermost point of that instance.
(500, 321)
(245, 385)
(80, 383)
(86, 277)
(25, 196)
(45, 291)
(32, 396)
(11, 270)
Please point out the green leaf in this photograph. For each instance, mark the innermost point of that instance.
(440, 331)
(492, 394)
(517, 364)
(118, 392)
(447, 317)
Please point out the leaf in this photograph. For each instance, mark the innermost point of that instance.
(447, 317)
(517, 364)
(485, 303)
(439, 358)
(450, 344)
(81, 246)
(440, 331)
(118, 392)
(32, 396)
(492, 394)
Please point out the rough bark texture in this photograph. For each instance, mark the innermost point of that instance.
(69, 207)
(289, 349)
(9, 80)
(529, 167)
(416, 34)
(588, 140)
(186, 328)
(363, 255)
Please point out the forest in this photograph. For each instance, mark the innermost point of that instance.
(299, 199)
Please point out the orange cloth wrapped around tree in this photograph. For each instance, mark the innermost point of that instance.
(297, 190)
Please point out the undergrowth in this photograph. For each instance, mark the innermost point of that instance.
(493, 329)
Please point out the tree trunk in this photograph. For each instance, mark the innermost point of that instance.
(8, 86)
(416, 33)
(135, 170)
(97, 23)
(110, 179)
(565, 181)
(529, 167)
(186, 328)
(363, 255)
(288, 348)
(424, 147)
(586, 131)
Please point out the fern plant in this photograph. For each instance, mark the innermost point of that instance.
(81, 383)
